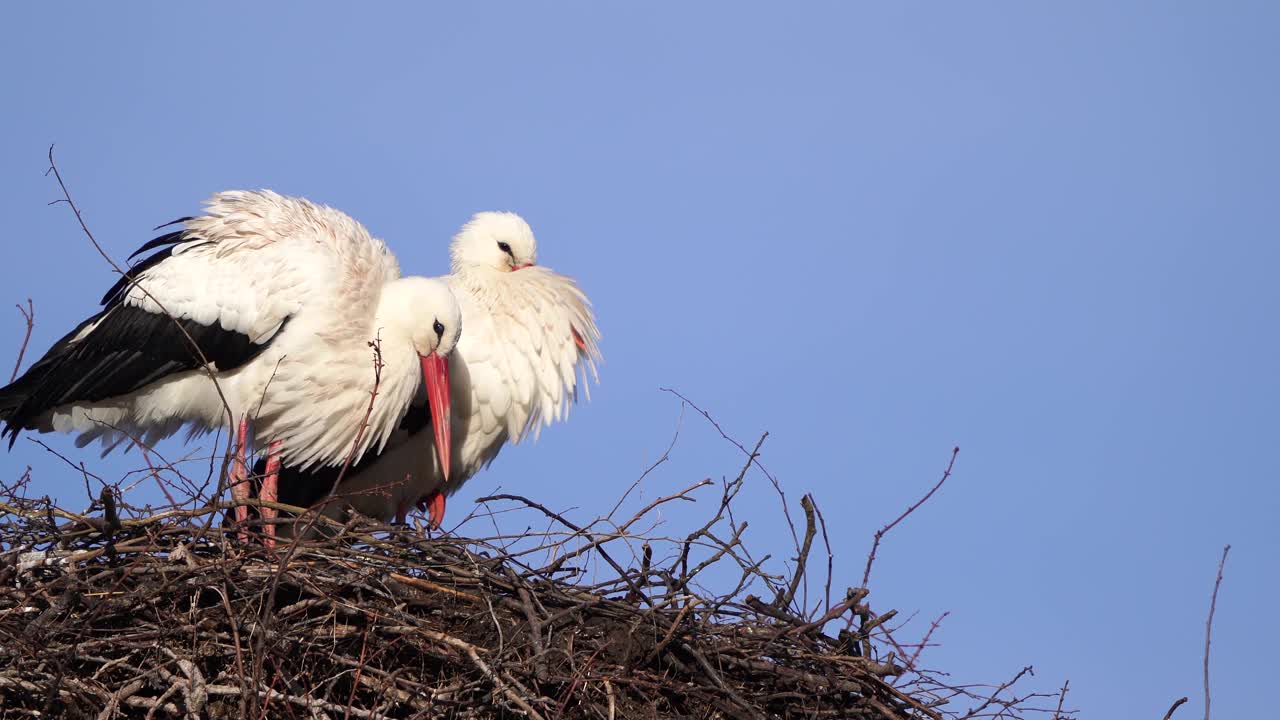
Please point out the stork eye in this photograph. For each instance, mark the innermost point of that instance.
(506, 249)
(439, 329)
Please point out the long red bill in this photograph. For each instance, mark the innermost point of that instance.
(435, 372)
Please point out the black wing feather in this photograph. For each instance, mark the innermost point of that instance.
(171, 223)
(305, 489)
(127, 349)
(172, 238)
(117, 291)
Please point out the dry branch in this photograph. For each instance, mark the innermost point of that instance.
(1174, 707)
(875, 545)
(28, 316)
(1208, 627)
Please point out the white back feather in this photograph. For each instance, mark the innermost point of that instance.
(254, 260)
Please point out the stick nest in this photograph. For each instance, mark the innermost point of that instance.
(124, 612)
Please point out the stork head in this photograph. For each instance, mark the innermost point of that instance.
(424, 312)
(500, 241)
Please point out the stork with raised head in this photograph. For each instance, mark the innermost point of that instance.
(259, 315)
(530, 333)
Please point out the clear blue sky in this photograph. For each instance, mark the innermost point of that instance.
(1044, 232)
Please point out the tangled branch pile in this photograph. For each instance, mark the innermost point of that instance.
(126, 612)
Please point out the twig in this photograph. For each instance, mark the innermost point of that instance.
(826, 541)
(666, 455)
(752, 458)
(996, 693)
(911, 662)
(194, 346)
(802, 560)
(1208, 627)
(623, 574)
(1062, 696)
(671, 632)
(29, 315)
(1176, 704)
(378, 365)
(875, 545)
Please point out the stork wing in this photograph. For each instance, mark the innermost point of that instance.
(547, 333)
(214, 294)
(172, 312)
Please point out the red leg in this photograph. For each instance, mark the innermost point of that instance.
(239, 475)
(270, 492)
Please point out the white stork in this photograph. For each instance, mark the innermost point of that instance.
(529, 331)
(276, 299)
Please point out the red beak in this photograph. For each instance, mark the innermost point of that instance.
(521, 267)
(435, 372)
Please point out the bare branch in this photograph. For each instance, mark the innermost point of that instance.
(1208, 627)
(29, 315)
(875, 545)
(1176, 704)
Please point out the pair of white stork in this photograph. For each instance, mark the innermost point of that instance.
(264, 316)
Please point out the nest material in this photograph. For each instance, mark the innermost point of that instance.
(169, 615)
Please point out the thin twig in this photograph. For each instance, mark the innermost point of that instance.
(992, 698)
(1176, 704)
(1062, 698)
(911, 662)
(1208, 627)
(208, 367)
(753, 458)
(29, 315)
(802, 560)
(875, 545)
